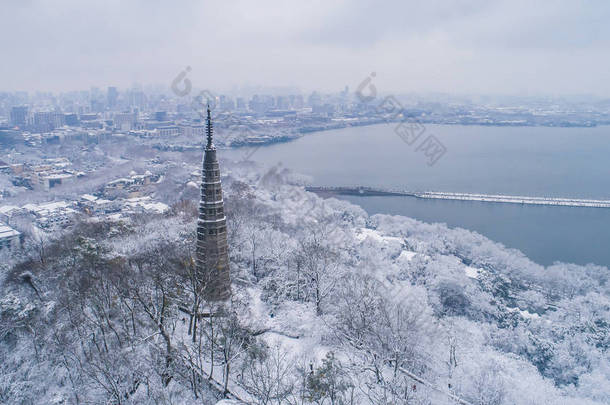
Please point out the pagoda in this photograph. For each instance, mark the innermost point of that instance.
(212, 260)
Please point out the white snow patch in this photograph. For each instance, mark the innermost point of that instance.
(524, 314)
(529, 315)
(115, 217)
(406, 255)
(363, 233)
(471, 272)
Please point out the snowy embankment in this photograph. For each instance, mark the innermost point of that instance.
(441, 195)
(566, 202)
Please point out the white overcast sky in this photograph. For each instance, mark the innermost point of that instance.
(457, 47)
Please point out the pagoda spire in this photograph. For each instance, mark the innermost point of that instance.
(209, 129)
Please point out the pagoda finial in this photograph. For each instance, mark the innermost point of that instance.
(209, 128)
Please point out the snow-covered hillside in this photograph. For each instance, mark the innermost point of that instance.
(330, 305)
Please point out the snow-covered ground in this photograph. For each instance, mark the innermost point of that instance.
(321, 289)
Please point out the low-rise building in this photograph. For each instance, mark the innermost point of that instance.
(5, 168)
(144, 204)
(7, 212)
(118, 184)
(124, 121)
(9, 237)
(197, 131)
(169, 130)
(93, 205)
(54, 180)
(132, 184)
(51, 215)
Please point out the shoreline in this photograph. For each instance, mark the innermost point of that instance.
(306, 130)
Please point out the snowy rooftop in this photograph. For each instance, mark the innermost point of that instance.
(6, 209)
(88, 197)
(51, 206)
(59, 176)
(7, 232)
(147, 204)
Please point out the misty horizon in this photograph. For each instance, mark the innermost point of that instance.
(466, 48)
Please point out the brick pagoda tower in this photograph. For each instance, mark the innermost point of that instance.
(212, 255)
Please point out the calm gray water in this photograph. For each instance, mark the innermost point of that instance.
(534, 161)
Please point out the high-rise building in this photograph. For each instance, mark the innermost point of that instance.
(124, 121)
(19, 116)
(282, 103)
(71, 119)
(262, 103)
(44, 121)
(161, 115)
(112, 96)
(314, 99)
(226, 103)
(137, 98)
(97, 105)
(212, 261)
(241, 103)
(296, 101)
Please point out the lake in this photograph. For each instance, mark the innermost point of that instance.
(532, 161)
